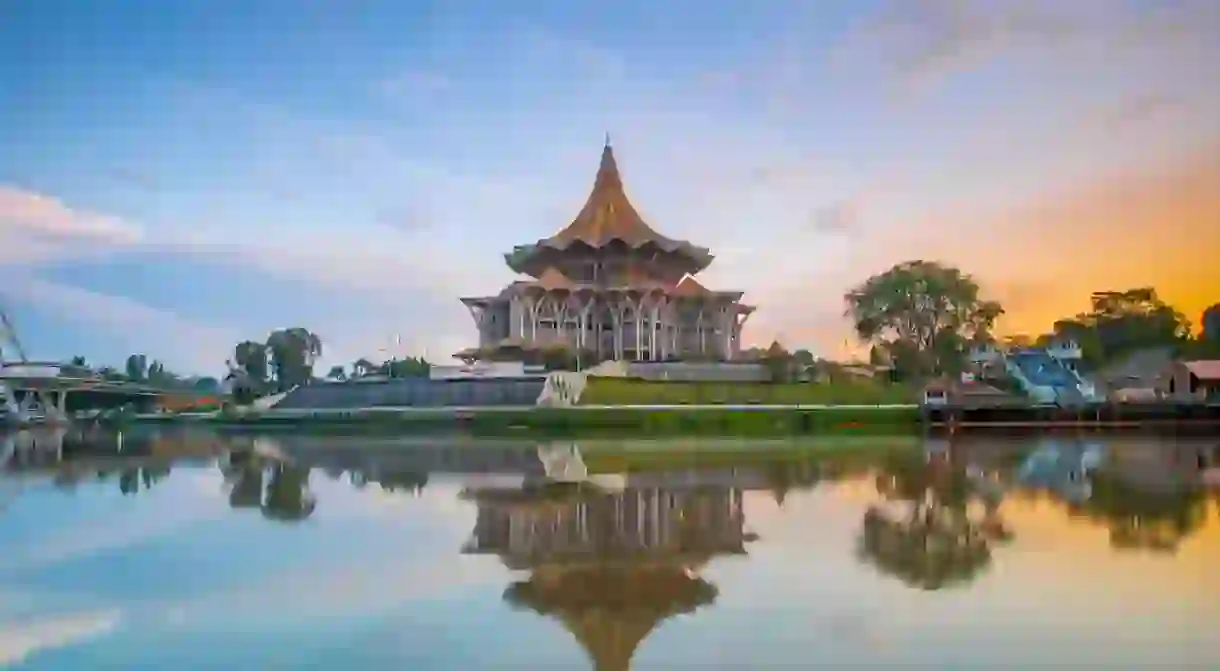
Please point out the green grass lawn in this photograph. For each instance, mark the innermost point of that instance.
(621, 391)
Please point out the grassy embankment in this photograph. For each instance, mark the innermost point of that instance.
(612, 406)
(622, 391)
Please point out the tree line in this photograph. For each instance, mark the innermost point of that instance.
(286, 359)
(141, 370)
(923, 317)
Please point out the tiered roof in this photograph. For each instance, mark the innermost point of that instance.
(607, 218)
(552, 279)
(611, 611)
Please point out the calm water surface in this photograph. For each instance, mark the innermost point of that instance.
(297, 552)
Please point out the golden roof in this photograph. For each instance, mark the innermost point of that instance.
(612, 611)
(609, 216)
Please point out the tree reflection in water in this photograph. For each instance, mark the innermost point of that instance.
(1142, 518)
(279, 490)
(133, 480)
(926, 534)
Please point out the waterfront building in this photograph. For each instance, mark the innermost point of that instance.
(610, 285)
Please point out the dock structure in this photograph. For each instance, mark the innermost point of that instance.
(53, 392)
(1161, 417)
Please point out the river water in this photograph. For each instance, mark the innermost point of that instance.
(199, 551)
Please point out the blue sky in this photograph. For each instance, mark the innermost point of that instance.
(178, 175)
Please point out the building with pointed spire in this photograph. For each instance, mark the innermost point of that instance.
(610, 566)
(610, 285)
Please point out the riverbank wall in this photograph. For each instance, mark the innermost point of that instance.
(578, 421)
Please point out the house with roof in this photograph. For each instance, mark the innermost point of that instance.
(1192, 380)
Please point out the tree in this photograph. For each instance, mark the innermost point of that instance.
(137, 367)
(158, 376)
(251, 358)
(408, 367)
(293, 353)
(778, 362)
(363, 367)
(206, 384)
(1207, 345)
(111, 374)
(336, 373)
(1121, 322)
(923, 314)
(1210, 322)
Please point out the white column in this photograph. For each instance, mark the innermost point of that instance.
(619, 336)
(726, 323)
(639, 325)
(533, 318)
(653, 321)
(701, 330)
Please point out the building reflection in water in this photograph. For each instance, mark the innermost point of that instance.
(609, 565)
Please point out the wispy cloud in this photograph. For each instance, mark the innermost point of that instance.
(19, 641)
(921, 45)
(35, 227)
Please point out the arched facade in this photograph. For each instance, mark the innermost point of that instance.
(610, 285)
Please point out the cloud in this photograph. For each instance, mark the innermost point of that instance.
(19, 641)
(36, 227)
(923, 43)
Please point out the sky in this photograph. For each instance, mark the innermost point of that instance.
(180, 175)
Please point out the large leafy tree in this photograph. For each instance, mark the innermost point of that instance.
(1210, 322)
(922, 314)
(1207, 345)
(1121, 322)
(137, 367)
(250, 358)
(293, 353)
